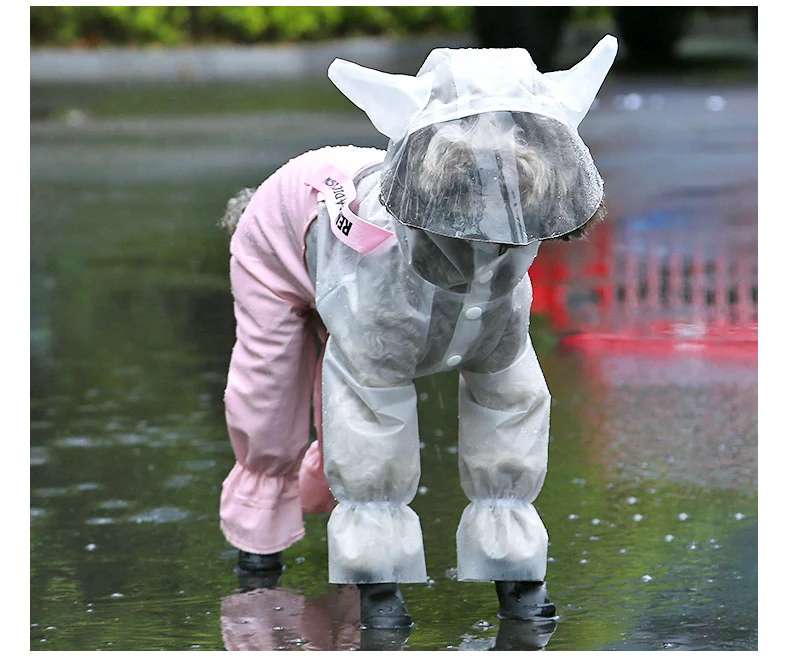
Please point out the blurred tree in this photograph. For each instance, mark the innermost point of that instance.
(92, 25)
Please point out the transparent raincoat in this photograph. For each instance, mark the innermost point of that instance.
(500, 168)
(419, 265)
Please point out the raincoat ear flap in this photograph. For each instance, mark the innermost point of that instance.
(391, 101)
(581, 83)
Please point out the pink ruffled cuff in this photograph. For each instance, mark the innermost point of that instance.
(260, 513)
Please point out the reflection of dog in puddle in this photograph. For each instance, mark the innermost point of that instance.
(269, 617)
(282, 619)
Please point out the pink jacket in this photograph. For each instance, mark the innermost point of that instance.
(275, 367)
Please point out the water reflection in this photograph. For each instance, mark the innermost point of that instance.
(276, 618)
(281, 619)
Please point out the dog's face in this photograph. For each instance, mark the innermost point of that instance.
(498, 177)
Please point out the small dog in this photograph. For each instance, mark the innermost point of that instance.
(405, 263)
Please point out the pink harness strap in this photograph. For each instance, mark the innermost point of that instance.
(336, 188)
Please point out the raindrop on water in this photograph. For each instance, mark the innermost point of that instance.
(683, 516)
(669, 538)
(637, 517)
(739, 516)
(647, 578)
(631, 500)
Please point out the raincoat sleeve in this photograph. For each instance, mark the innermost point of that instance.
(503, 454)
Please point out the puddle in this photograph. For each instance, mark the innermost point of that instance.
(650, 501)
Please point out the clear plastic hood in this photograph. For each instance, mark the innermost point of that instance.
(501, 177)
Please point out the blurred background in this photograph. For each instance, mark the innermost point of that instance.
(145, 120)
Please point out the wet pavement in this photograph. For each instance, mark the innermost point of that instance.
(651, 497)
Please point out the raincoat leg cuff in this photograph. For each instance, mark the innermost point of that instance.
(375, 543)
(501, 540)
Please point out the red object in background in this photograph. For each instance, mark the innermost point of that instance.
(649, 291)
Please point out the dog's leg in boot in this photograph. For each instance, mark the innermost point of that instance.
(259, 570)
(381, 606)
(259, 562)
(524, 600)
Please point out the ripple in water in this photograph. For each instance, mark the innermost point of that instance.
(163, 515)
(114, 504)
(179, 480)
(38, 456)
(79, 442)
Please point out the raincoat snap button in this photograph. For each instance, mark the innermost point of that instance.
(473, 313)
(454, 360)
(485, 277)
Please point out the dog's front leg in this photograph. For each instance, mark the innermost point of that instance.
(372, 464)
(503, 453)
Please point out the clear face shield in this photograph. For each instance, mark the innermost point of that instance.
(503, 178)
